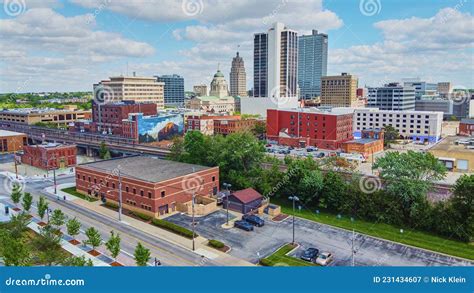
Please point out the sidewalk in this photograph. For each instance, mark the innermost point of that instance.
(200, 242)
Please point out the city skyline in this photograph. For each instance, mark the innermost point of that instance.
(69, 45)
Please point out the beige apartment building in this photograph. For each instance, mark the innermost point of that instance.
(33, 116)
(339, 91)
(131, 88)
(238, 77)
(444, 89)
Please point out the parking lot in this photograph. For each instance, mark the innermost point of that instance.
(265, 240)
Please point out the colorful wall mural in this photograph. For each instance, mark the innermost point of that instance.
(161, 127)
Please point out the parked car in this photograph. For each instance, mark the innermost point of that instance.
(284, 151)
(311, 149)
(268, 145)
(324, 259)
(244, 225)
(291, 148)
(310, 254)
(254, 220)
(320, 155)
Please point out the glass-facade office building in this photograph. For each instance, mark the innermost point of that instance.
(392, 96)
(174, 89)
(312, 63)
(260, 65)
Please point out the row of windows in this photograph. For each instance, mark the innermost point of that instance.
(391, 115)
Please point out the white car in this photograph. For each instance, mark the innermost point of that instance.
(324, 258)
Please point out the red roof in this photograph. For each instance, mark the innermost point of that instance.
(247, 195)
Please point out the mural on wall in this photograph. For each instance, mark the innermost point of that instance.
(157, 128)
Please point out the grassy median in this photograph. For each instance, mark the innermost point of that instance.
(280, 259)
(409, 236)
(72, 191)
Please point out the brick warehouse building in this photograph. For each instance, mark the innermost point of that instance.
(309, 127)
(11, 142)
(149, 185)
(50, 156)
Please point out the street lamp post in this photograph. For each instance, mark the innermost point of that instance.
(294, 199)
(227, 186)
(120, 195)
(194, 196)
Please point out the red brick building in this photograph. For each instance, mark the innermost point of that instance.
(149, 185)
(210, 125)
(370, 143)
(466, 127)
(228, 126)
(50, 156)
(108, 117)
(309, 127)
(11, 142)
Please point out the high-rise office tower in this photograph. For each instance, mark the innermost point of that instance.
(174, 89)
(312, 63)
(238, 77)
(277, 51)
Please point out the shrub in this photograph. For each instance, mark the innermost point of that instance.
(216, 244)
(112, 205)
(142, 216)
(173, 228)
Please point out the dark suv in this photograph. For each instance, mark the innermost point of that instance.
(244, 225)
(254, 220)
(310, 254)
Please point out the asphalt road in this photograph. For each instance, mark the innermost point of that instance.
(166, 252)
(265, 240)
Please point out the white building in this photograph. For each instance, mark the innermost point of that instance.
(259, 106)
(416, 125)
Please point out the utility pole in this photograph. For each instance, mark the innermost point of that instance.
(227, 186)
(352, 249)
(55, 187)
(120, 195)
(293, 198)
(193, 218)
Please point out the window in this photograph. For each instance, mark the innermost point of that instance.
(149, 194)
(134, 191)
(126, 188)
(79, 177)
(89, 179)
(213, 178)
(163, 194)
(113, 185)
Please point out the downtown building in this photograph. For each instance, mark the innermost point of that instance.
(339, 90)
(130, 88)
(174, 89)
(392, 96)
(50, 156)
(421, 126)
(312, 63)
(238, 77)
(423, 89)
(276, 63)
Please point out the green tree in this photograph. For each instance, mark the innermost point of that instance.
(73, 227)
(48, 246)
(42, 206)
(390, 135)
(16, 193)
(196, 146)
(13, 250)
(93, 238)
(177, 149)
(107, 155)
(259, 129)
(462, 205)
(142, 255)
(310, 187)
(410, 176)
(18, 224)
(113, 244)
(334, 190)
(77, 261)
(103, 149)
(58, 218)
(27, 201)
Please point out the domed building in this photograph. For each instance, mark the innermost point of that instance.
(219, 86)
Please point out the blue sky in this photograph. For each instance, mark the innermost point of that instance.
(68, 45)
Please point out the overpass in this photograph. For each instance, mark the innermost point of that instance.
(88, 141)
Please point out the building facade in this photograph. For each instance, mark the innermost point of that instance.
(219, 86)
(392, 96)
(149, 185)
(339, 91)
(155, 128)
(466, 127)
(50, 156)
(423, 89)
(435, 105)
(444, 89)
(238, 77)
(130, 88)
(213, 104)
(309, 127)
(226, 126)
(456, 153)
(31, 116)
(200, 90)
(204, 123)
(370, 143)
(12, 142)
(414, 125)
(312, 63)
(174, 89)
(278, 51)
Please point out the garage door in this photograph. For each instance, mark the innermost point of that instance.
(463, 165)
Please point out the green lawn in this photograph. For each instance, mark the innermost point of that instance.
(279, 258)
(409, 236)
(72, 191)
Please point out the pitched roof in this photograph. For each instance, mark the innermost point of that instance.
(247, 195)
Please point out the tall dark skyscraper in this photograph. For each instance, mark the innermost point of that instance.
(260, 65)
(312, 63)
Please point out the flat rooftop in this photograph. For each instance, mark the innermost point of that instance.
(4, 133)
(362, 140)
(26, 111)
(449, 144)
(144, 168)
